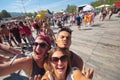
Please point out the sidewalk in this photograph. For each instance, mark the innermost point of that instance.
(99, 47)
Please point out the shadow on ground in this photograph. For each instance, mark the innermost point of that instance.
(16, 76)
(96, 25)
(87, 29)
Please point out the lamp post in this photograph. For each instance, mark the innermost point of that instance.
(23, 6)
(104, 3)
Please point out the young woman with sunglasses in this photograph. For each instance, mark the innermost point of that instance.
(60, 67)
(33, 64)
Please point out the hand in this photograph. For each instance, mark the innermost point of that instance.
(8, 51)
(88, 72)
(36, 77)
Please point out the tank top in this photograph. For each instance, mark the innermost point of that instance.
(36, 69)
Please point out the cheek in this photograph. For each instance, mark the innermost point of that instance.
(66, 64)
(53, 66)
(34, 48)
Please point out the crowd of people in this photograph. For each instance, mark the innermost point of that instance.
(104, 12)
(51, 57)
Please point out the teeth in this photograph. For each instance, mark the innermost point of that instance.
(60, 67)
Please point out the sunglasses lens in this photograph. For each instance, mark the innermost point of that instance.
(35, 43)
(63, 58)
(56, 59)
(43, 45)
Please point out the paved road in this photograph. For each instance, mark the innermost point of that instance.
(98, 46)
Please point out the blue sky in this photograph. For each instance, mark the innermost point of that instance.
(36, 5)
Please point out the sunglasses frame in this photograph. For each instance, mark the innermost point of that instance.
(56, 59)
(42, 44)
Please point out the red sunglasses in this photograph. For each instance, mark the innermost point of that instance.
(56, 59)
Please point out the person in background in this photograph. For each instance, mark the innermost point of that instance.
(78, 21)
(110, 13)
(0, 36)
(14, 29)
(28, 33)
(6, 34)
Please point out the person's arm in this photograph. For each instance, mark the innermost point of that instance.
(20, 63)
(78, 62)
(3, 59)
(8, 50)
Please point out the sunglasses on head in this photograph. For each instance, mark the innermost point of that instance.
(56, 59)
(42, 45)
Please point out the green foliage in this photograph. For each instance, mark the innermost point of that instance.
(71, 8)
(35, 13)
(29, 14)
(4, 14)
(100, 2)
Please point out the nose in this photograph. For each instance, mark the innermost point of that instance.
(59, 62)
(38, 47)
(65, 38)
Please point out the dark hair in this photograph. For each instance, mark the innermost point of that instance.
(21, 23)
(2, 26)
(65, 29)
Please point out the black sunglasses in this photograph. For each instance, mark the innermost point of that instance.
(42, 45)
(56, 59)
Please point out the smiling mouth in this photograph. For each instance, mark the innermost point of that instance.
(60, 68)
(37, 53)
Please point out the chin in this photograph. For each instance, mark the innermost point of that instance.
(61, 71)
(63, 46)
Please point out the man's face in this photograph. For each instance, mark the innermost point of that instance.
(63, 39)
(40, 48)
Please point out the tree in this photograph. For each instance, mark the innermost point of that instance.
(35, 13)
(29, 14)
(100, 2)
(5, 14)
(71, 8)
(0, 18)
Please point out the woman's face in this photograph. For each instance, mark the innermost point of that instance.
(59, 63)
(40, 48)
